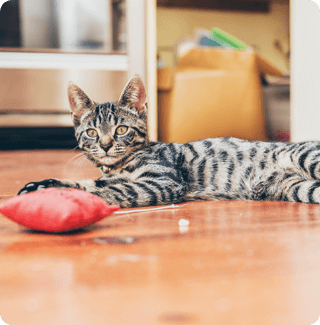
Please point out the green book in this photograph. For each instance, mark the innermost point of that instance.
(227, 38)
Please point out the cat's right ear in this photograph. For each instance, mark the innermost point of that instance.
(79, 101)
(134, 95)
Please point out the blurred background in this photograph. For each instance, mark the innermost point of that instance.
(99, 44)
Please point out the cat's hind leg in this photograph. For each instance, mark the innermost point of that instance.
(306, 158)
(302, 190)
(288, 187)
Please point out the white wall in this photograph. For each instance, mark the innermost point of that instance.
(305, 70)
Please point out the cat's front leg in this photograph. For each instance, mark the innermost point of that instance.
(46, 183)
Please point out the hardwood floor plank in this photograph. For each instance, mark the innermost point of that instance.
(236, 263)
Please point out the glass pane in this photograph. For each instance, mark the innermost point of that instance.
(67, 25)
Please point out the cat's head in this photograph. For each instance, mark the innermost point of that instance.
(109, 132)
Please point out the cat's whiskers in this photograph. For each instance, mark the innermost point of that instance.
(129, 150)
(82, 161)
(75, 157)
(79, 163)
(73, 150)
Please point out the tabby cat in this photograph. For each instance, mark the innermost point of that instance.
(138, 172)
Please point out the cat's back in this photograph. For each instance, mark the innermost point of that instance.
(228, 166)
(226, 149)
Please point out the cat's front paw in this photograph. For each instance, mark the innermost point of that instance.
(37, 186)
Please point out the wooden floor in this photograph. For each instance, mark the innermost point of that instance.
(237, 262)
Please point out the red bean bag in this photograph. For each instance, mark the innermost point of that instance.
(56, 209)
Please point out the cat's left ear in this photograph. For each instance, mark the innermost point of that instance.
(79, 101)
(134, 95)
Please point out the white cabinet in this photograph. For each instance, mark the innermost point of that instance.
(33, 81)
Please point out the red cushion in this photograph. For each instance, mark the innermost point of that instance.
(56, 209)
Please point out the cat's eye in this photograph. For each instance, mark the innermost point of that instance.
(92, 133)
(121, 130)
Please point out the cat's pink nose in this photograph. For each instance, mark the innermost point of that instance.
(106, 146)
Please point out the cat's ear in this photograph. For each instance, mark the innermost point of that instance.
(79, 101)
(134, 95)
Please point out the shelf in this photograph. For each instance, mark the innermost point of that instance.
(234, 5)
(35, 120)
(23, 60)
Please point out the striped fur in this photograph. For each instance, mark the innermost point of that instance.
(144, 173)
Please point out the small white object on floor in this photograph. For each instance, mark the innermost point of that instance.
(183, 223)
(183, 229)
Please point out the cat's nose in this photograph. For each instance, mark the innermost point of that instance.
(106, 146)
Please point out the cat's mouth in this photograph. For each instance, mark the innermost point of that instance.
(108, 160)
